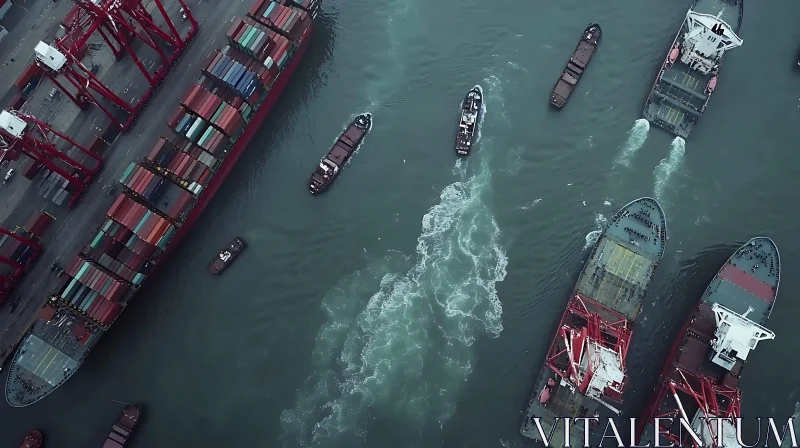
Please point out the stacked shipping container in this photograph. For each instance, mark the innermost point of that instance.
(287, 19)
(90, 290)
(162, 189)
(165, 196)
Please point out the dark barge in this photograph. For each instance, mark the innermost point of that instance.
(469, 120)
(122, 431)
(226, 256)
(584, 374)
(578, 63)
(32, 440)
(701, 376)
(348, 142)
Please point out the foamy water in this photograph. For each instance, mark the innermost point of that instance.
(600, 223)
(399, 332)
(636, 138)
(668, 166)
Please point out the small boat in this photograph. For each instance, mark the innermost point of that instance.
(32, 440)
(226, 256)
(577, 64)
(122, 431)
(468, 121)
(347, 143)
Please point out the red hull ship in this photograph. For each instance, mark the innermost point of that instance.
(584, 373)
(32, 440)
(123, 429)
(165, 193)
(701, 376)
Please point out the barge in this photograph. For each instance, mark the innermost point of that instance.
(343, 148)
(226, 256)
(122, 430)
(584, 375)
(469, 119)
(165, 193)
(701, 376)
(578, 63)
(688, 75)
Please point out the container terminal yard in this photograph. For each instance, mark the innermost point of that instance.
(68, 191)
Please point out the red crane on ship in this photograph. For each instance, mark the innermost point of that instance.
(591, 355)
(713, 401)
(25, 133)
(119, 23)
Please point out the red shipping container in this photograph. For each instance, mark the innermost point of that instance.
(234, 28)
(111, 313)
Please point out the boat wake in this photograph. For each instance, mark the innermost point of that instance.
(636, 138)
(397, 340)
(600, 223)
(667, 167)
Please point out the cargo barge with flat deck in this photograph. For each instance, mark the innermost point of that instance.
(165, 193)
(701, 376)
(345, 146)
(688, 75)
(122, 430)
(578, 63)
(584, 373)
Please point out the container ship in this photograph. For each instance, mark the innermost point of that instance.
(584, 372)
(688, 75)
(701, 376)
(164, 193)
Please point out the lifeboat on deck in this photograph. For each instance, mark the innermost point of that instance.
(673, 55)
(712, 84)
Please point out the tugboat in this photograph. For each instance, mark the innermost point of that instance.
(688, 75)
(469, 119)
(701, 376)
(32, 440)
(577, 64)
(226, 256)
(584, 372)
(122, 431)
(329, 167)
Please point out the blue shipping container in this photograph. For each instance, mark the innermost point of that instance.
(223, 64)
(235, 80)
(250, 88)
(235, 77)
(243, 82)
(227, 74)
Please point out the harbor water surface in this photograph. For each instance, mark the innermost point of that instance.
(411, 304)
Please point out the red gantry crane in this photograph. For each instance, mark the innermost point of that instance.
(120, 23)
(27, 134)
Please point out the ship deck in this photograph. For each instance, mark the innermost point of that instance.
(749, 279)
(731, 11)
(678, 98)
(47, 357)
(563, 403)
(621, 265)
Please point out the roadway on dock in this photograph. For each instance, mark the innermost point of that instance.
(72, 228)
